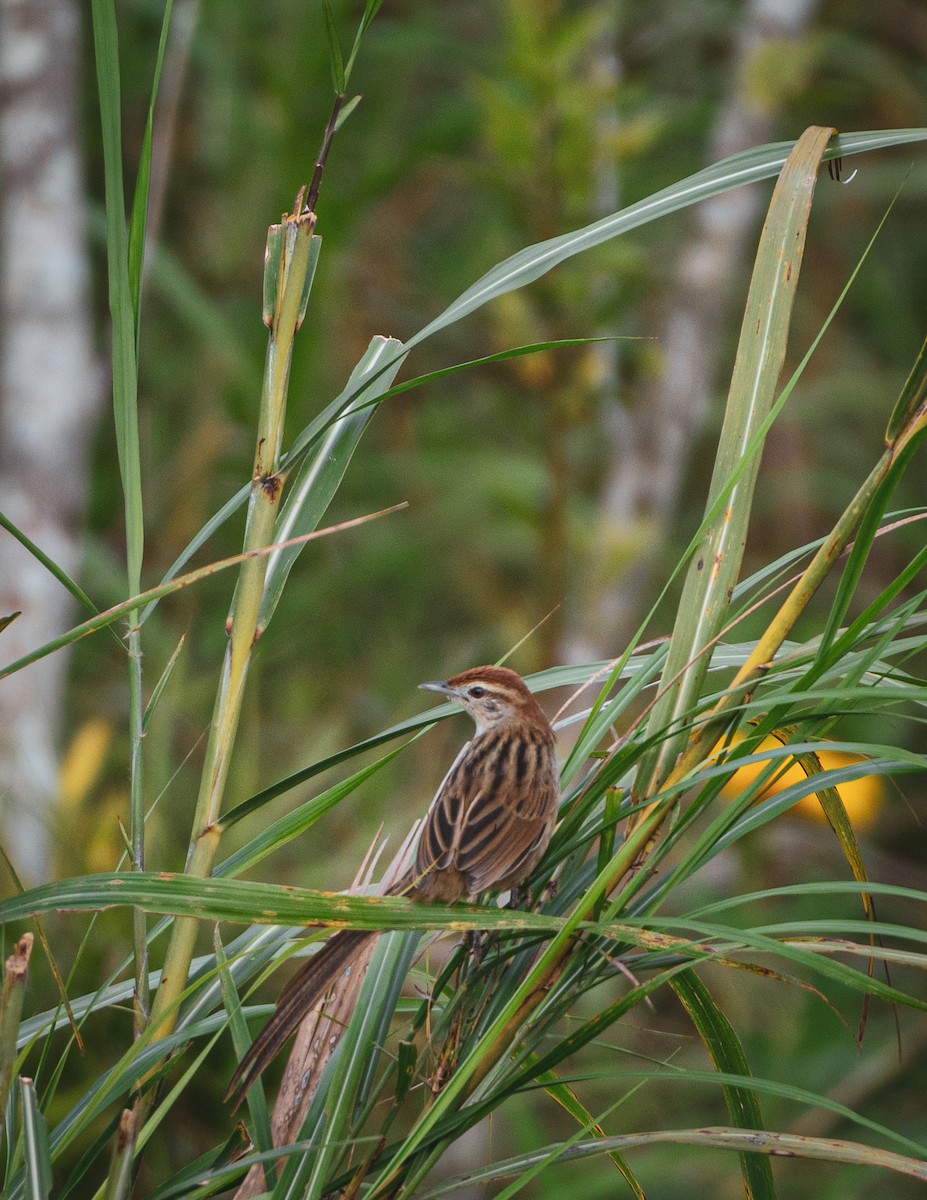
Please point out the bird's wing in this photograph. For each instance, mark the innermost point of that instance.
(505, 831)
(492, 811)
(440, 829)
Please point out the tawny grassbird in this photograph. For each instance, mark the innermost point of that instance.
(486, 830)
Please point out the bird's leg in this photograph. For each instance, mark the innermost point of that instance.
(473, 945)
(518, 896)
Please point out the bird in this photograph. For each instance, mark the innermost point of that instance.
(486, 830)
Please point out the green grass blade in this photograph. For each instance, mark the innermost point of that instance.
(214, 1171)
(911, 398)
(138, 222)
(813, 955)
(292, 824)
(370, 11)
(762, 162)
(125, 375)
(215, 522)
(321, 475)
(566, 1097)
(840, 887)
(912, 395)
(124, 287)
(217, 899)
(727, 1055)
(713, 572)
(35, 1145)
(255, 1099)
(334, 48)
(308, 1177)
(49, 564)
(782, 1145)
(839, 647)
(118, 611)
(162, 682)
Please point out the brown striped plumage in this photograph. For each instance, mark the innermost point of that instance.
(486, 830)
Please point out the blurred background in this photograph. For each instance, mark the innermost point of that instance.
(559, 486)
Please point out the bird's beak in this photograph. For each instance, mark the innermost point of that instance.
(437, 685)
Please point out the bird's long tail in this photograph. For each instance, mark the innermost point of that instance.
(299, 997)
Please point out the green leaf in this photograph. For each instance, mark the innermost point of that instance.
(35, 1145)
(49, 564)
(125, 376)
(7, 621)
(370, 11)
(321, 474)
(566, 1097)
(761, 162)
(118, 611)
(255, 1099)
(162, 682)
(912, 397)
(291, 824)
(714, 570)
(755, 1142)
(138, 224)
(345, 111)
(217, 899)
(727, 1055)
(307, 1176)
(334, 48)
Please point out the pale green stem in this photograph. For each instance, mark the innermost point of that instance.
(266, 487)
(137, 820)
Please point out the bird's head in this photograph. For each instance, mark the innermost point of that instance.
(492, 696)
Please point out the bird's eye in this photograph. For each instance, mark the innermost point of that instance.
(477, 692)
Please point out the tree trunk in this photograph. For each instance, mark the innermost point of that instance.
(651, 443)
(50, 395)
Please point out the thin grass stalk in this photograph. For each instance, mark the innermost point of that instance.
(289, 247)
(178, 583)
(123, 300)
(142, 999)
(134, 266)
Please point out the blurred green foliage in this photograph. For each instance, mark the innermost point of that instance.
(476, 136)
